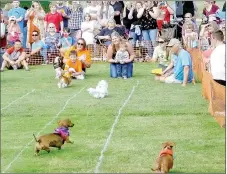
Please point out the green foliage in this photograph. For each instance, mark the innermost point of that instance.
(155, 113)
(45, 4)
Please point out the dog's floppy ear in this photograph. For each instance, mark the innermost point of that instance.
(60, 123)
(169, 143)
(164, 145)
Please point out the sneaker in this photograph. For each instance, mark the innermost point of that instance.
(27, 69)
(1, 70)
(124, 77)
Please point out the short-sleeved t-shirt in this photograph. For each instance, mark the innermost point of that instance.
(36, 45)
(181, 60)
(160, 55)
(77, 66)
(213, 10)
(13, 54)
(85, 53)
(64, 43)
(55, 18)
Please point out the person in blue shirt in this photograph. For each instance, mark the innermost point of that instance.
(37, 47)
(65, 41)
(183, 64)
(64, 11)
(19, 13)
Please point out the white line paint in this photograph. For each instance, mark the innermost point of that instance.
(66, 103)
(17, 99)
(99, 163)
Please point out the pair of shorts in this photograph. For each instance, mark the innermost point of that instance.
(10, 67)
(172, 79)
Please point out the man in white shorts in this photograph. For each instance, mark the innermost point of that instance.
(182, 64)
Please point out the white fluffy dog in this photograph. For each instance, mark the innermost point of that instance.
(100, 91)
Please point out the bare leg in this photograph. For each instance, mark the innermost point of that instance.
(4, 63)
(25, 64)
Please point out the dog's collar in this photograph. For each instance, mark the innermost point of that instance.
(63, 132)
(166, 152)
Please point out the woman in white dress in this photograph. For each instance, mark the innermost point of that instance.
(87, 28)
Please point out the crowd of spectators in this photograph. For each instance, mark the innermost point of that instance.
(119, 26)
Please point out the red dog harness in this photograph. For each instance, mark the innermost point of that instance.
(166, 152)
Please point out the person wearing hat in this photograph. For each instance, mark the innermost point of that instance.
(19, 13)
(182, 64)
(14, 32)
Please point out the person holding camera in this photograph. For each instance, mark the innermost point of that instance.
(35, 16)
(165, 11)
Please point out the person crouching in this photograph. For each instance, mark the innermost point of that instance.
(75, 63)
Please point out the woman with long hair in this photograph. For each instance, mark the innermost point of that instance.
(111, 53)
(83, 53)
(35, 16)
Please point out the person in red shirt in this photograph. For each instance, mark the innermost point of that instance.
(55, 18)
(165, 12)
(14, 57)
(210, 8)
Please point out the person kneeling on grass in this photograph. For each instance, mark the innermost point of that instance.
(183, 64)
(14, 57)
(121, 59)
(75, 63)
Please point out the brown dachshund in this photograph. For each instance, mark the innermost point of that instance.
(164, 162)
(56, 139)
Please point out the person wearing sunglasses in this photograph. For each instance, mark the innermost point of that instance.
(160, 53)
(37, 47)
(83, 54)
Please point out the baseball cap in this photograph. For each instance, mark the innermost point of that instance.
(12, 18)
(173, 42)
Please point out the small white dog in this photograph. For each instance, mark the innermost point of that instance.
(100, 91)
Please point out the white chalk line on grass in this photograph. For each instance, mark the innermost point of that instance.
(66, 103)
(17, 99)
(99, 163)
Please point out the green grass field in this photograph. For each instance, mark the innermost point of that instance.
(154, 113)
